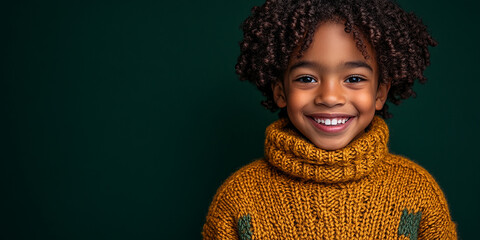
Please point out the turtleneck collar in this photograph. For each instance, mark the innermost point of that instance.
(293, 154)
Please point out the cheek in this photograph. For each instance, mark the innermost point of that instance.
(364, 101)
(296, 100)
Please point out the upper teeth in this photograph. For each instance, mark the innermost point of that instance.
(331, 121)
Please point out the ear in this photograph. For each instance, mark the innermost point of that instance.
(382, 93)
(279, 94)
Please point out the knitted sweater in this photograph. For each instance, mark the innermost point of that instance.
(299, 191)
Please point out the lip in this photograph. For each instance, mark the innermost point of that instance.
(330, 115)
(330, 129)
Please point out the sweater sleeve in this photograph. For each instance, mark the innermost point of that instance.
(221, 218)
(436, 222)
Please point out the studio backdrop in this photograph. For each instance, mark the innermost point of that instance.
(120, 119)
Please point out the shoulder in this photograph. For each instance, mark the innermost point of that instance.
(243, 181)
(233, 195)
(408, 169)
(229, 202)
(414, 181)
(418, 191)
(245, 177)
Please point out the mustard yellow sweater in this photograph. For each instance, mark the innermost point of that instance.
(299, 191)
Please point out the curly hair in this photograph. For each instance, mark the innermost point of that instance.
(274, 30)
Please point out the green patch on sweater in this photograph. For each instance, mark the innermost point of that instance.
(244, 231)
(409, 223)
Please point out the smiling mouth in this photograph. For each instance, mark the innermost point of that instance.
(331, 121)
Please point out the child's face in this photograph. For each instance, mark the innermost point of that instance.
(331, 92)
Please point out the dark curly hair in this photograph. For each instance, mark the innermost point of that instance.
(274, 30)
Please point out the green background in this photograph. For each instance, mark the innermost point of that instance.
(119, 120)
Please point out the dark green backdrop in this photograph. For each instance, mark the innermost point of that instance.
(119, 120)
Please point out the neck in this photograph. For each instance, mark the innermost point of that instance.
(290, 152)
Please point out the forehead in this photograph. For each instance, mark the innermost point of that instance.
(332, 46)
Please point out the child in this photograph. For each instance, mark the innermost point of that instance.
(329, 66)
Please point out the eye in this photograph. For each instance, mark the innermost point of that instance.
(306, 79)
(355, 79)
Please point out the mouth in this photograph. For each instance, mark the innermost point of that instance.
(331, 123)
(331, 119)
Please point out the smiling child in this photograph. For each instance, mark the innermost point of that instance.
(330, 66)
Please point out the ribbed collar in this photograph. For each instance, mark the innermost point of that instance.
(290, 152)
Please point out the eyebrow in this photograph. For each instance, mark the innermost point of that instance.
(358, 64)
(304, 64)
(351, 64)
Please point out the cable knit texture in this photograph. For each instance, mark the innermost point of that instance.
(299, 191)
(291, 153)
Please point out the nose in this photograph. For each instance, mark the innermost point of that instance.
(330, 93)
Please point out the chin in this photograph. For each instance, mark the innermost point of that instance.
(331, 146)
